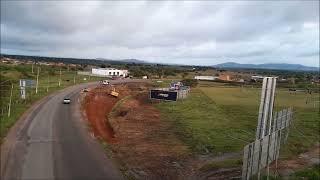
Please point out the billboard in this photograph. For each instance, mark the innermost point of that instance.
(25, 83)
(164, 95)
(28, 83)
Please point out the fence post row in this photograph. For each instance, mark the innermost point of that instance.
(265, 149)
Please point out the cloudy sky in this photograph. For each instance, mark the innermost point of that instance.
(203, 33)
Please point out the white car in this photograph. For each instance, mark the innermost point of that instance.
(66, 101)
(105, 82)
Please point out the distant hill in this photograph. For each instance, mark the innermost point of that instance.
(275, 66)
(136, 61)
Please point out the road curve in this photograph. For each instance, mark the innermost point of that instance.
(51, 142)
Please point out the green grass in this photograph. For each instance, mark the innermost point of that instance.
(203, 124)
(115, 108)
(308, 173)
(223, 119)
(48, 83)
(163, 83)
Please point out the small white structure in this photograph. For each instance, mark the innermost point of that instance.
(257, 77)
(208, 78)
(144, 77)
(109, 72)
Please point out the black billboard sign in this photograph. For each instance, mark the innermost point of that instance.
(165, 95)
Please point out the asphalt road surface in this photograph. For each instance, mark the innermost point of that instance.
(52, 142)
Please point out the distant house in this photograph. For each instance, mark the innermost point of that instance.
(109, 72)
(208, 78)
(44, 63)
(257, 77)
(225, 77)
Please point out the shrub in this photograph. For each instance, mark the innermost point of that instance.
(190, 82)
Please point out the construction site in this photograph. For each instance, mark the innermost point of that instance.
(144, 144)
(140, 141)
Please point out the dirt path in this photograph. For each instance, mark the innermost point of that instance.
(304, 160)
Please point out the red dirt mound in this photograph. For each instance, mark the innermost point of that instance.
(97, 104)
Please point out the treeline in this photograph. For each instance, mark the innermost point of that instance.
(57, 60)
(136, 69)
(157, 70)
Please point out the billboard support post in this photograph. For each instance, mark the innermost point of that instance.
(10, 100)
(37, 81)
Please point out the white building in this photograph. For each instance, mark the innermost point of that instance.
(109, 72)
(257, 77)
(208, 78)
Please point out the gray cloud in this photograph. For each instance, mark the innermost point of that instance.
(170, 31)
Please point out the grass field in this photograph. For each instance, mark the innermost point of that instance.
(223, 119)
(48, 83)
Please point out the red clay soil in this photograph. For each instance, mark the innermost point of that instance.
(98, 103)
(146, 144)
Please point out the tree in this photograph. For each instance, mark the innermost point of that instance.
(184, 75)
(190, 82)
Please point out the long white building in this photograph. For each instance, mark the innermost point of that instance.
(109, 72)
(208, 78)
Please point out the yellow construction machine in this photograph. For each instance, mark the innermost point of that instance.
(114, 93)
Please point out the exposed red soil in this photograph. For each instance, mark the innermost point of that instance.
(145, 143)
(98, 104)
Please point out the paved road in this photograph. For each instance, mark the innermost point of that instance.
(51, 142)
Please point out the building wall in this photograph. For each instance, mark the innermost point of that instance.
(109, 72)
(224, 77)
(205, 77)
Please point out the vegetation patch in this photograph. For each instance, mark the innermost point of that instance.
(204, 125)
(224, 119)
(116, 111)
(48, 83)
(308, 173)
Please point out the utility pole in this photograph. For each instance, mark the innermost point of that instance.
(37, 81)
(48, 84)
(32, 68)
(74, 78)
(59, 78)
(9, 109)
